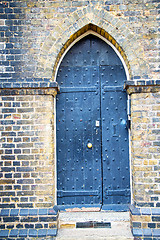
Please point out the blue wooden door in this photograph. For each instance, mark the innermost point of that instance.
(92, 138)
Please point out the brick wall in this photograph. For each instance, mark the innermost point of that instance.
(145, 136)
(27, 151)
(33, 33)
(145, 159)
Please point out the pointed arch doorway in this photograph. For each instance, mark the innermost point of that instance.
(92, 137)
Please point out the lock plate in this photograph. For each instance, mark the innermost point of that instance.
(97, 123)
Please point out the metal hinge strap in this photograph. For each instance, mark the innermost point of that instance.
(61, 193)
(124, 192)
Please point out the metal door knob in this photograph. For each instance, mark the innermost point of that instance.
(89, 145)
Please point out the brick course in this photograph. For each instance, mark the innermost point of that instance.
(16, 223)
(145, 222)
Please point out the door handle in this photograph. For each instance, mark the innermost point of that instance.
(89, 145)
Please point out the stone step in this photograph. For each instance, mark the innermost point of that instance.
(73, 219)
(94, 225)
(94, 234)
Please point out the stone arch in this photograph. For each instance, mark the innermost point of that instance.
(92, 29)
(105, 24)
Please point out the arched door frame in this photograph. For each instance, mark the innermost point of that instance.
(99, 36)
(128, 78)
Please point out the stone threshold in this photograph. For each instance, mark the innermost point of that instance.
(94, 208)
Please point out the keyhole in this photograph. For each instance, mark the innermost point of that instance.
(114, 129)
